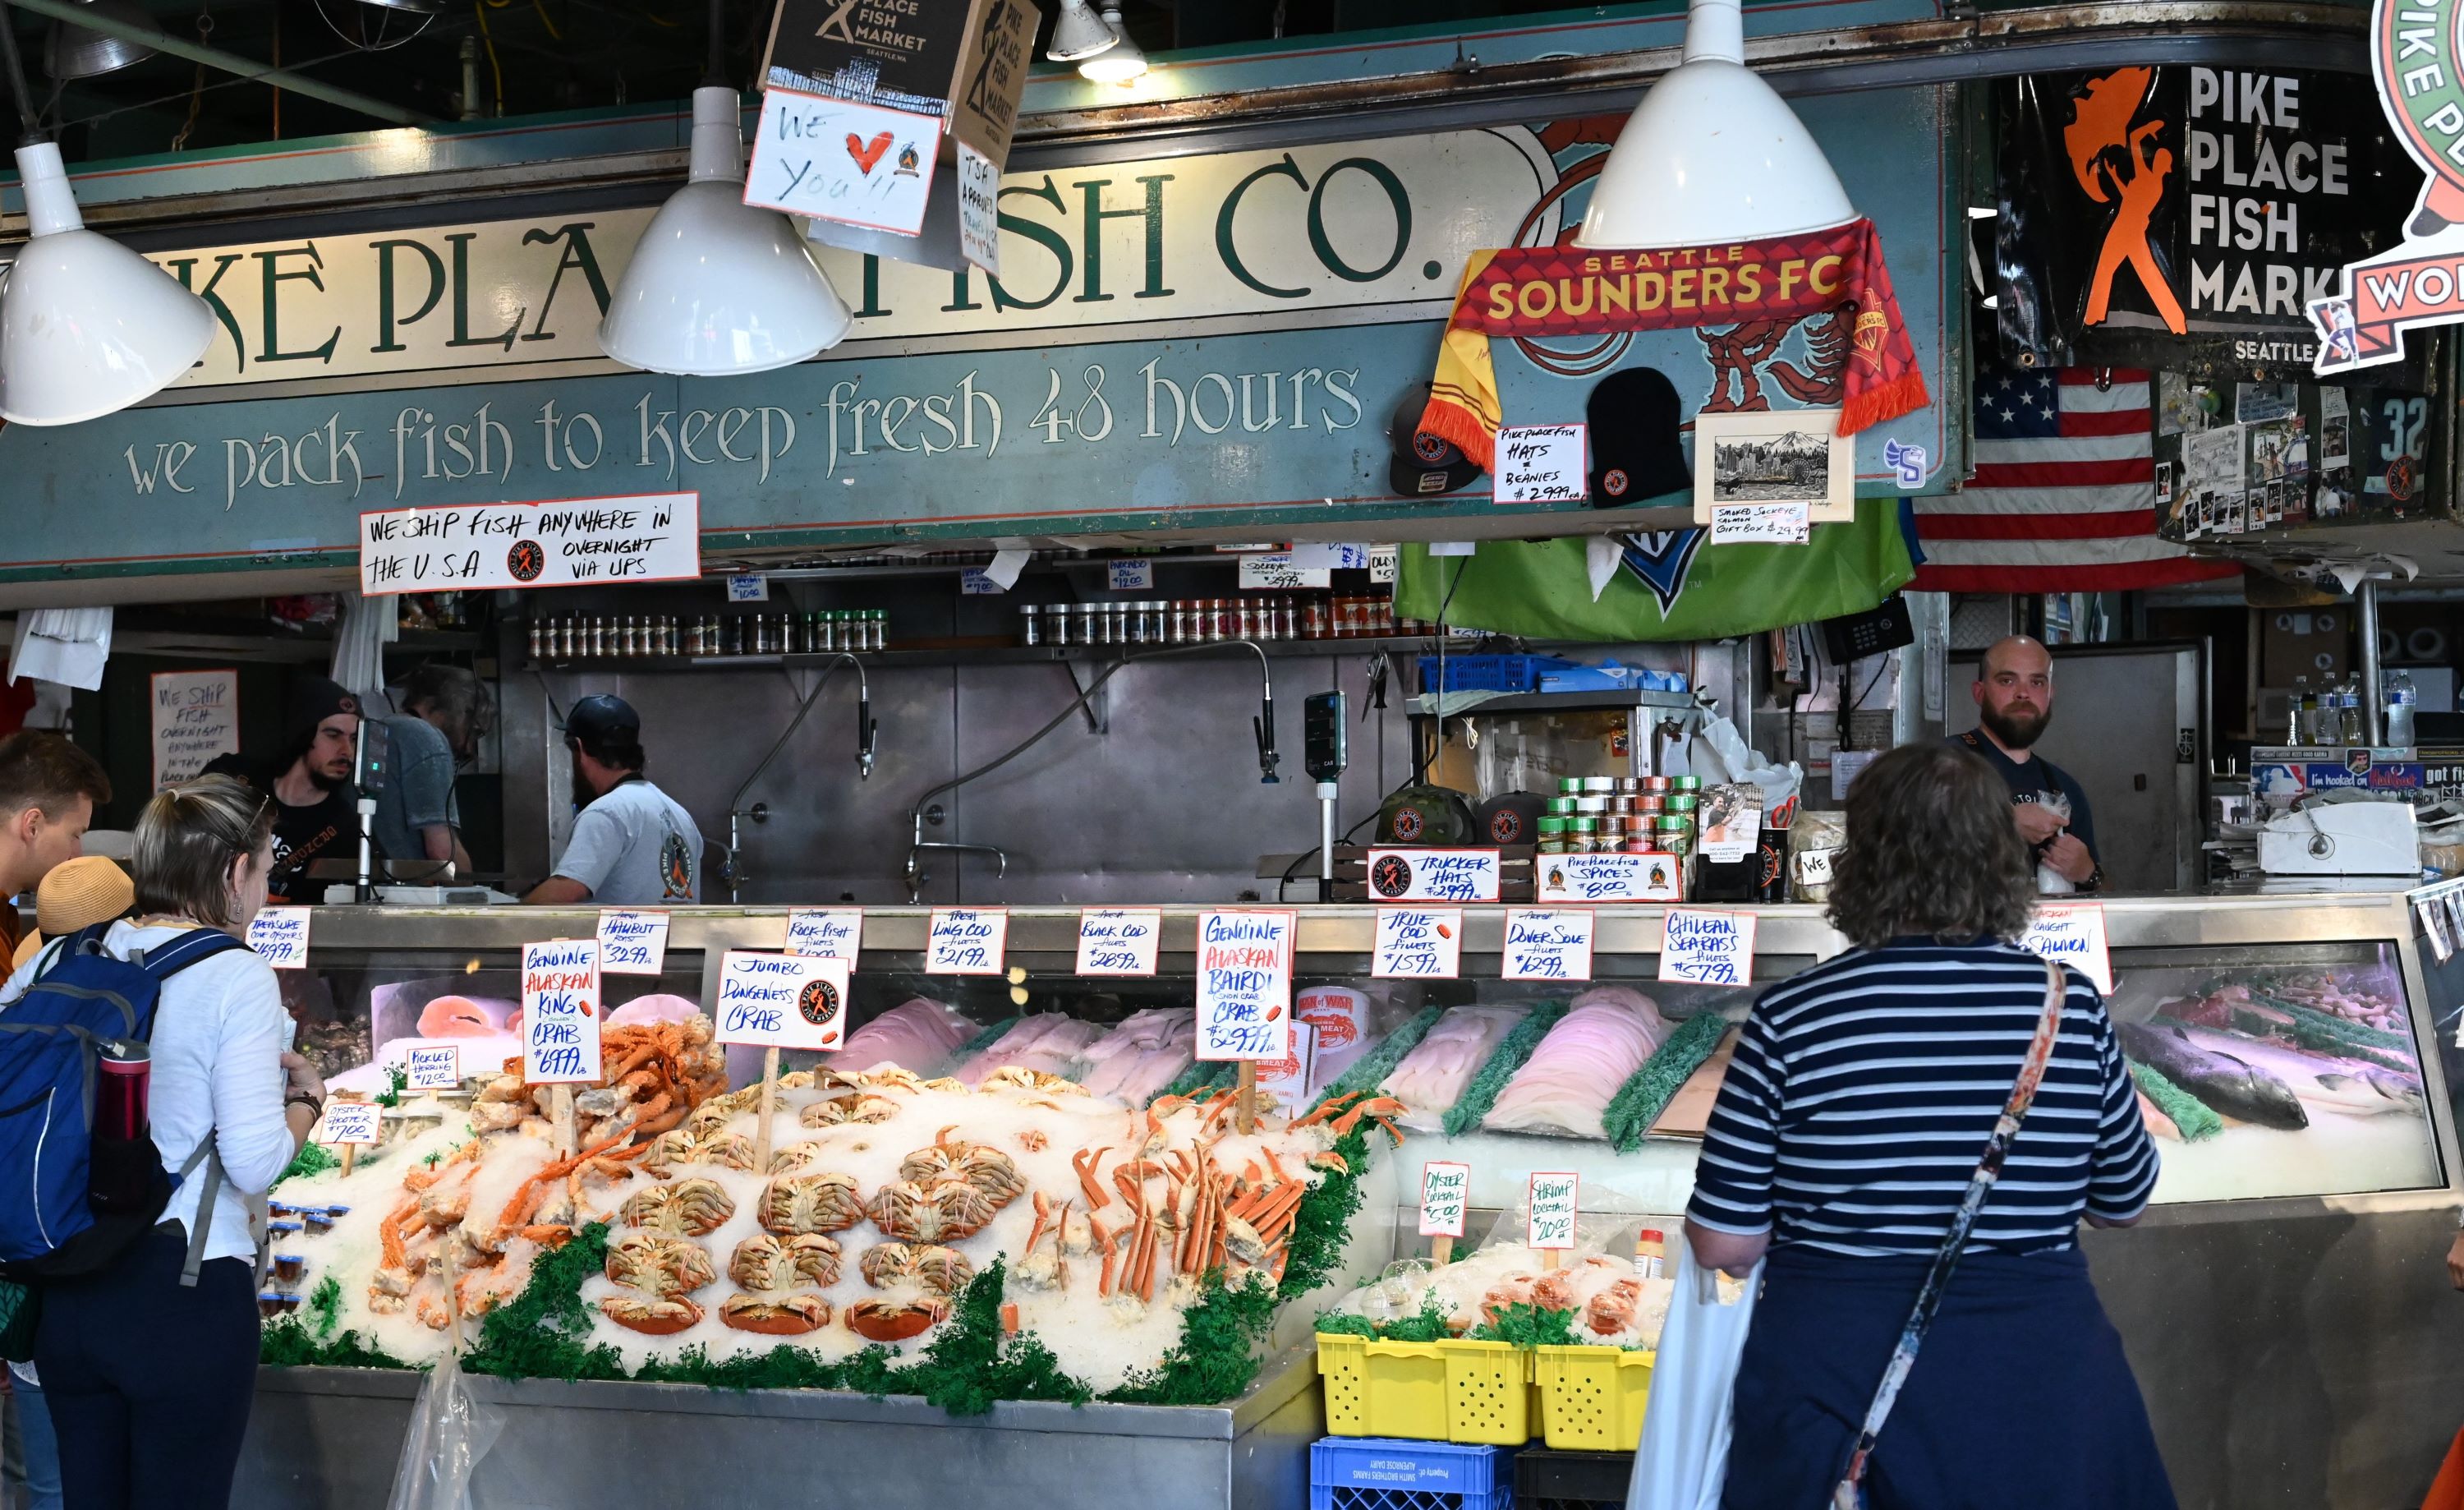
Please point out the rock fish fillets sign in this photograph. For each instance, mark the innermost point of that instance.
(646, 537)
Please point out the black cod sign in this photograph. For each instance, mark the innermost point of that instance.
(646, 537)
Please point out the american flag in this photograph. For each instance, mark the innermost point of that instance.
(2064, 496)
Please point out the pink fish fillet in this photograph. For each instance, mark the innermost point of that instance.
(1568, 1082)
(1046, 1042)
(918, 1034)
(1139, 1057)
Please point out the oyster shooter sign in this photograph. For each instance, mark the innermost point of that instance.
(2417, 57)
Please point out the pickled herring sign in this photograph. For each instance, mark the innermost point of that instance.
(561, 1011)
(650, 537)
(1245, 985)
(2417, 57)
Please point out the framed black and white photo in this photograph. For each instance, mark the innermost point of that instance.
(1794, 456)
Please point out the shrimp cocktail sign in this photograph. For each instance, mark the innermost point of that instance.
(2417, 57)
(1245, 985)
(561, 1011)
(782, 1001)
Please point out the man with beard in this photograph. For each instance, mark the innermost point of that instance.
(316, 816)
(2015, 701)
(633, 845)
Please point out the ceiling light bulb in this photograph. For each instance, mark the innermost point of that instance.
(1079, 34)
(1120, 63)
(717, 286)
(1713, 154)
(87, 327)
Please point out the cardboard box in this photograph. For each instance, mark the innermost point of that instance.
(2305, 647)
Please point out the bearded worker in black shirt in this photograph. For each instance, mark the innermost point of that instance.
(315, 811)
(2015, 703)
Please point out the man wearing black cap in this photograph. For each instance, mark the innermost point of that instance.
(315, 805)
(633, 845)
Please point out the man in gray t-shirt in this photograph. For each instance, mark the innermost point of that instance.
(444, 710)
(633, 846)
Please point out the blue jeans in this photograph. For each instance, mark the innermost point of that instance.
(41, 1448)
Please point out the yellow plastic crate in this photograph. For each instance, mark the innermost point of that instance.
(1450, 1392)
(1593, 1397)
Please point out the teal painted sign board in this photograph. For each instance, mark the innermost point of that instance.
(1193, 341)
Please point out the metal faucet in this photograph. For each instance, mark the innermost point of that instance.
(918, 844)
(731, 869)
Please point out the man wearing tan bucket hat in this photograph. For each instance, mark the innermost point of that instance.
(78, 894)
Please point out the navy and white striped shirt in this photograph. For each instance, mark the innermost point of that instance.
(1864, 1090)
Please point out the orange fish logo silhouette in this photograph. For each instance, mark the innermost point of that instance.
(2118, 163)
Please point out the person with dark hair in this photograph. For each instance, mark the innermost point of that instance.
(633, 845)
(445, 711)
(1851, 1135)
(149, 1363)
(316, 813)
(48, 788)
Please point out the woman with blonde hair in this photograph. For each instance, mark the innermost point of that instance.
(149, 1363)
(1909, 1136)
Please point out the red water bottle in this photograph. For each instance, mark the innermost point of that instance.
(126, 1169)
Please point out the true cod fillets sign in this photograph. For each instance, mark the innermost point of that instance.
(642, 536)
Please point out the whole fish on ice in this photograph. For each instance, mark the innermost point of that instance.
(2227, 1083)
(2349, 1086)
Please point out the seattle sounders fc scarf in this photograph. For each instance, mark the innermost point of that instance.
(1565, 290)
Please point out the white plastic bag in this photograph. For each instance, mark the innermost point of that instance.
(1719, 754)
(450, 1430)
(1683, 1460)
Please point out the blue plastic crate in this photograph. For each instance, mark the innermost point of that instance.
(1381, 1472)
(1489, 673)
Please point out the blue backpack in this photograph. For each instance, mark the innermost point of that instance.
(51, 1038)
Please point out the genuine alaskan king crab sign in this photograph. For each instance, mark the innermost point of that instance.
(2417, 56)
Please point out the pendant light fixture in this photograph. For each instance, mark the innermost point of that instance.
(1080, 33)
(87, 327)
(1119, 64)
(718, 287)
(77, 52)
(1711, 154)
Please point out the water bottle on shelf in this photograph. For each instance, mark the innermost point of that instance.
(2349, 701)
(2401, 700)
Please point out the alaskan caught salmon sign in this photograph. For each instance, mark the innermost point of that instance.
(2417, 56)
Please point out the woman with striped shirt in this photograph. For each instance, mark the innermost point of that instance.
(1862, 1093)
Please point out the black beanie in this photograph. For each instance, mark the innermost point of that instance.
(312, 701)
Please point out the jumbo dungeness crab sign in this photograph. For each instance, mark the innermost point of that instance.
(2417, 56)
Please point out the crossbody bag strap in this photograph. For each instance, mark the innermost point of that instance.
(1850, 1493)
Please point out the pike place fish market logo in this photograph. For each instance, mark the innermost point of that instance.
(1392, 874)
(1505, 826)
(1663, 560)
(1407, 824)
(1430, 449)
(2116, 159)
(908, 160)
(526, 561)
(818, 1003)
(675, 868)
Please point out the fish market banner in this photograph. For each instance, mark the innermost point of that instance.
(2415, 57)
(2184, 218)
(1209, 341)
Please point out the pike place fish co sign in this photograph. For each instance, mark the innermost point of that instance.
(1257, 241)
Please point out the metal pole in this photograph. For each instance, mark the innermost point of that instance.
(2365, 598)
(161, 41)
(1325, 795)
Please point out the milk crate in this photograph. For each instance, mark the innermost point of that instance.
(1548, 1479)
(1372, 1473)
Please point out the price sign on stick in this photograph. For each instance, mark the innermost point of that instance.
(1245, 985)
(2073, 933)
(1553, 1209)
(966, 941)
(432, 1066)
(1118, 941)
(280, 934)
(1417, 944)
(561, 1011)
(1446, 1198)
(350, 1122)
(832, 932)
(1547, 944)
(781, 1001)
(632, 942)
(1708, 948)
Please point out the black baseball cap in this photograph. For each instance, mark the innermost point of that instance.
(602, 720)
(1423, 466)
(1634, 416)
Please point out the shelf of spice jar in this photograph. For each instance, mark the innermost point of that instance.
(1264, 617)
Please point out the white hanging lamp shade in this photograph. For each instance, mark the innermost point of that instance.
(87, 327)
(1121, 63)
(1711, 154)
(717, 286)
(1079, 33)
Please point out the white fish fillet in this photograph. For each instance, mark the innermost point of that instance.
(1139, 1058)
(1047, 1042)
(1432, 1076)
(1569, 1080)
